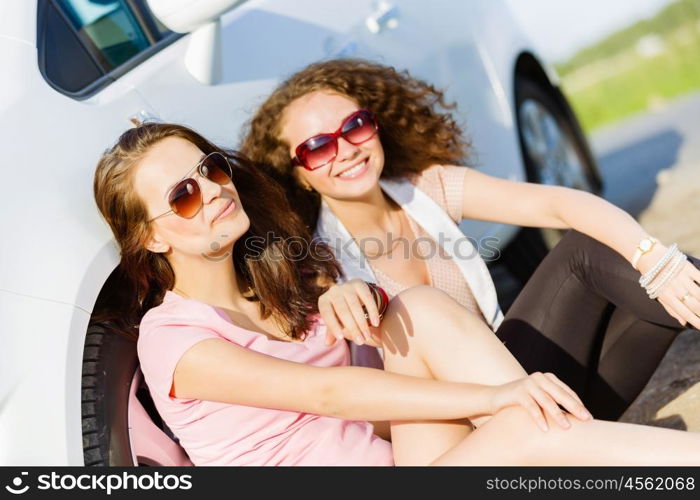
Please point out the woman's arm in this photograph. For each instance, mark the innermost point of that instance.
(218, 370)
(527, 204)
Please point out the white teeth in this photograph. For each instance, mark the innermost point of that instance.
(353, 170)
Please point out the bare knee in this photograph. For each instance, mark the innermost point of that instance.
(507, 438)
(414, 313)
(513, 420)
(517, 426)
(421, 293)
(423, 302)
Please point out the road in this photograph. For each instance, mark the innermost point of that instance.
(633, 152)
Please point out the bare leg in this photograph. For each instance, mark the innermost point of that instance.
(426, 333)
(511, 437)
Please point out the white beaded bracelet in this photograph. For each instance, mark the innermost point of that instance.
(664, 271)
(661, 277)
(670, 273)
(645, 279)
(651, 274)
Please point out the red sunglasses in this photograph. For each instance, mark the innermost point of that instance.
(322, 149)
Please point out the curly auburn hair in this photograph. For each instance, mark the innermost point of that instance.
(416, 128)
(288, 289)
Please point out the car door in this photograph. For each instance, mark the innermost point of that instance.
(62, 104)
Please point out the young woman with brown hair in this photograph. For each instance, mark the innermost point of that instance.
(368, 154)
(237, 359)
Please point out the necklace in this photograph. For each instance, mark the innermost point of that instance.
(390, 251)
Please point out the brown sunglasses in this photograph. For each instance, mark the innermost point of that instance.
(185, 198)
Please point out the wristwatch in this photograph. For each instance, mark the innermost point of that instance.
(644, 246)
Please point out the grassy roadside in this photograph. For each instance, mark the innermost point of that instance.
(640, 83)
(636, 68)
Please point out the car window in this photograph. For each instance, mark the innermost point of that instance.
(84, 45)
(109, 27)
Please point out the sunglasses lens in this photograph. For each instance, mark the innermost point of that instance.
(185, 198)
(317, 151)
(359, 128)
(215, 167)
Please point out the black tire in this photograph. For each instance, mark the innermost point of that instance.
(109, 364)
(531, 245)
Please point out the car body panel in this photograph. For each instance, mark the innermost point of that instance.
(57, 251)
(41, 360)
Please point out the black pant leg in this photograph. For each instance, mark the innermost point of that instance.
(559, 322)
(626, 362)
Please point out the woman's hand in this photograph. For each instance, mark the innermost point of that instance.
(539, 393)
(685, 282)
(341, 310)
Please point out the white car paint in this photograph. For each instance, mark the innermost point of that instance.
(55, 250)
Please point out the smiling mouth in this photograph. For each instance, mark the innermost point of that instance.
(350, 172)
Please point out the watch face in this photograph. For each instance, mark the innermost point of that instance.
(645, 245)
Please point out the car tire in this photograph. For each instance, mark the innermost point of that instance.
(109, 360)
(555, 152)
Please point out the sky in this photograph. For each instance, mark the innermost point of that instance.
(560, 27)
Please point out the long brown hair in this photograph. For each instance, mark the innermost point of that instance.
(287, 288)
(415, 132)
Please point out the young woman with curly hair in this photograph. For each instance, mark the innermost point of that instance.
(369, 158)
(240, 366)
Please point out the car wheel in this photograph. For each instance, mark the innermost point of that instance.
(109, 361)
(554, 153)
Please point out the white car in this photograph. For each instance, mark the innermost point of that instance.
(77, 73)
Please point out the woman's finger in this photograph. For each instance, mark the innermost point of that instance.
(670, 309)
(535, 411)
(554, 379)
(692, 287)
(329, 318)
(582, 412)
(686, 313)
(562, 397)
(350, 328)
(367, 299)
(693, 300)
(672, 293)
(693, 271)
(549, 405)
(358, 314)
(682, 286)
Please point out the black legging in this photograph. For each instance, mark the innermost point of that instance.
(584, 317)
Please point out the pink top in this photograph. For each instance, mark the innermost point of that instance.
(445, 185)
(215, 433)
